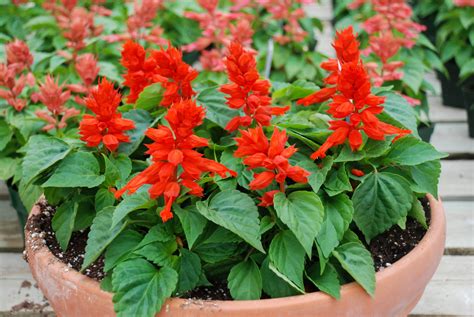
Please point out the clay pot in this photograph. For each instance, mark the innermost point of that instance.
(398, 288)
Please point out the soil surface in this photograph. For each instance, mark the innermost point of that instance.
(386, 249)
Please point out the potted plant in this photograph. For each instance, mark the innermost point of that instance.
(221, 193)
(456, 49)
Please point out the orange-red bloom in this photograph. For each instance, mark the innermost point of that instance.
(352, 101)
(273, 156)
(175, 163)
(162, 66)
(247, 91)
(107, 125)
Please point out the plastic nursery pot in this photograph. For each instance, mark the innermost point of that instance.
(450, 86)
(17, 204)
(398, 287)
(425, 130)
(468, 92)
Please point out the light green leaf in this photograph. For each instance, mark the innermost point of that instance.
(150, 98)
(303, 213)
(236, 212)
(357, 261)
(379, 202)
(140, 288)
(318, 175)
(192, 222)
(8, 167)
(411, 151)
(398, 109)
(5, 134)
(29, 194)
(245, 281)
(78, 169)
(160, 253)
(109, 70)
(287, 255)
(112, 173)
(413, 74)
(124, 165)
(417, 212)
(327, 282)
(41, 152)
(101, 234)
(63, 222)
(189, 271)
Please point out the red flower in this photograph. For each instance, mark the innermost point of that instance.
(162, 66)
(87, 68)
(352, 100)
(175, 163)
(18, 55)
(247, 91)
(107, 126)
(357, 172)
(273, 156)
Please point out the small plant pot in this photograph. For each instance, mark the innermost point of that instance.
(17, 204)
(450, 86)
(398, 287)
(468, 92)
(425, 130)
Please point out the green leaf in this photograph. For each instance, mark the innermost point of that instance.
(139, 200)
(29, 194)
(411, 151)
(160, 253)
(294, 91)
(150, 98)
(417, 212)
(8, 167)
(6, 134)
(287, 255)
(78, 169)
(109, 70)
(104, 198)
(236, 212)
(467, 69)
(327, 282)
(55, 62)
(143, 121)
(112, 173)
(398, 109)
(41, 22)
(294, 65)
(189, 271)
(318, 175)
(245, 281)
(121, 248)
(157, 233)
(41, 152)
(338, 216)
(101, 234)
(216, 108)
(273, 285)
(140, 288)
(337, 182)
(426, 177)
(192, 222)
(413, 74)
(303, 213)
(124, 165)
(63, 222)
(358, 262)
(379, 202)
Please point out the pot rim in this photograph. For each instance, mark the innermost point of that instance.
(436, 228)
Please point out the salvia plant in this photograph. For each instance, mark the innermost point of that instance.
(272, 190)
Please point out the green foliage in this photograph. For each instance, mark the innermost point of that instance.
(327, 282)
(216, 108)
(140, 288)
(245, 281)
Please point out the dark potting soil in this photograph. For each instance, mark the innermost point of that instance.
(386, 249)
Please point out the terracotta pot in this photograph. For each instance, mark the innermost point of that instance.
(398, 288)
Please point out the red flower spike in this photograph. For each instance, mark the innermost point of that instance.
(175, 163)
(267, 199)
(162, 66)
(247, 91)
(352, 101)
(107, 125)
(273, 156)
